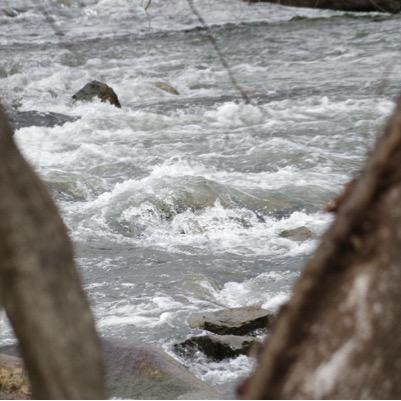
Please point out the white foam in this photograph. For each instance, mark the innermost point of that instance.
(256, 291)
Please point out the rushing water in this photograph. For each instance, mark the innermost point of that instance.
(176, 203)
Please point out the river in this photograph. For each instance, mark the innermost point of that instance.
(176, 204)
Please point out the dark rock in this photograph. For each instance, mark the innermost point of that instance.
(297, 234)
(13, 379)
(164, 86)
(21, 119)
(139, 371)
(216, 347)
(237, 321)
(97, 89)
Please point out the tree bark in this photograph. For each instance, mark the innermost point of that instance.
(388, 6)
(338, 337)
(40, 288)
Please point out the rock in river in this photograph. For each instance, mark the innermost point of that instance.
(11, 12)
(139, 371)
(97, 89)
(297, 234)
(237, 321)
(217, 347)
(147, 372)
(164, 86)
(21, 119)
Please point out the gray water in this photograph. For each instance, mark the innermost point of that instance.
(175, 204)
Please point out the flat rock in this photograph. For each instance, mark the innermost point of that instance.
(139, 371)
(237, 321)
(97, 89)
(217, 347)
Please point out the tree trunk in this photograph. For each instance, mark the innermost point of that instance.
(389, 6)
(40, 288)
(338, 337)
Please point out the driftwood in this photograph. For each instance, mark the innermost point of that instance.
(40, 288)
(388, 6)
(338, 337)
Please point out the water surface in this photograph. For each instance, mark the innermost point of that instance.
(176, 204)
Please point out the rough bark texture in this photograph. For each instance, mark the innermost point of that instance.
(338, 337)
(389, 6)
(40, 288)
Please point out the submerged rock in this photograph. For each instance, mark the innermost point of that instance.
(97, 89)
(139, 371)
(297, 234)
(237, 321)
(21, 119)
(10, 12)
(67, 3)
(13, 379)
(217, 347)
(166, 87)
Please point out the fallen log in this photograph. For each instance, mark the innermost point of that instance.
(40, 288)
(338, 337)
(387, 6)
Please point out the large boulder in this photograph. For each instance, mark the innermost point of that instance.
(217, 347)
(97, 89)
(13, 380)
(139, 371)
(236, 321)
(146, 372)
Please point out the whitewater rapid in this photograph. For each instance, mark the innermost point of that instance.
(176, 204)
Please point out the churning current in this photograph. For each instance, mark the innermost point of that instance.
(178, 203)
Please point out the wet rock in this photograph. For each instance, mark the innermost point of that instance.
(97, 89)
(166, 87)
(13, 380)
(297, 234)
(139, 371)
(237, 321)
(146, 372)
(21, 119)
(217, 347)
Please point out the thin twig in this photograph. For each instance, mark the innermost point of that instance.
(219, 53)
